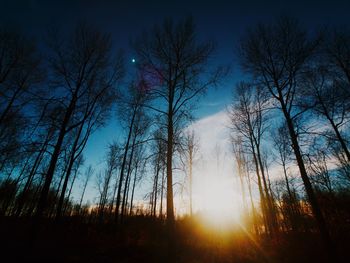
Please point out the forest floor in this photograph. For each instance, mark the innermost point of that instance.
(142, 239)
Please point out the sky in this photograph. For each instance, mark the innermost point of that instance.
(221, 21)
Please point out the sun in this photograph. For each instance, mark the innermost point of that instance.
(217, 201)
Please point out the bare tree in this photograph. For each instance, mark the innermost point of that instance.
(238, 151)
(174, 66)
(276, 57)
(327, 99)
(19, 72)
(81, 67)
(139, 170)
(337, 49)
(188, 153)
(317, 165)
(249, 122)
(105, 177)
(20, 76)
(131, 113)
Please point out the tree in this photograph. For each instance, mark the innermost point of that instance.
(281, 142)
(240, 161)
(276, 57)
(81, 67)
(337, 50)
(327, 99)
(247, 119)
(20, 74)
(131, 113)
(140, 164)
(105, 177)
(188, 153)
(174, 67)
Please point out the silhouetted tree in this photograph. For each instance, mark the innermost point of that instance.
(130, 111)
(276, 57)
(248, 121)
(327, 99)
(188, 153)
(174, 67)
(81, 67)
(105, 177)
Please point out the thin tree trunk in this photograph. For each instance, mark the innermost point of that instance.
(9, 105)
(113, 196)
(133, 190)
(127, 177)
(162, 194)
(170, 200)
(239, 160)
(121, 177)
(252, 201)
(53, 162)
(70, 189)
(82, 195)
(261, 191)
(155, 187)
(191, 200)
(340, 139)
(272, 218)
(69, 169)
(127, 197)
(29, 181)
(308, 187)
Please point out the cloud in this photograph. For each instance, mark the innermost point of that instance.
(211, 130)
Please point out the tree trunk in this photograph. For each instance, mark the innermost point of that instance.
(22, 197)
(69, 170)
(133, 190)
(9, 105)
(271, 214)
(127, 178)
(155, 187)
(261, 191)
(70, 189)
(162, 194)
(252, 202)
(340, 138)
(170, 201)
(54, 158)
(121, 177)
(308, 187)
(191, 204)
(82, 195)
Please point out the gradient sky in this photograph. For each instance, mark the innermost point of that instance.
(221, 21)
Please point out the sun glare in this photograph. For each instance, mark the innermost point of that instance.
(217, 201)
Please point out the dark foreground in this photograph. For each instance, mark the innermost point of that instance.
(144, 240)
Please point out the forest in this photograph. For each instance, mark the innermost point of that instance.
(288, 139)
